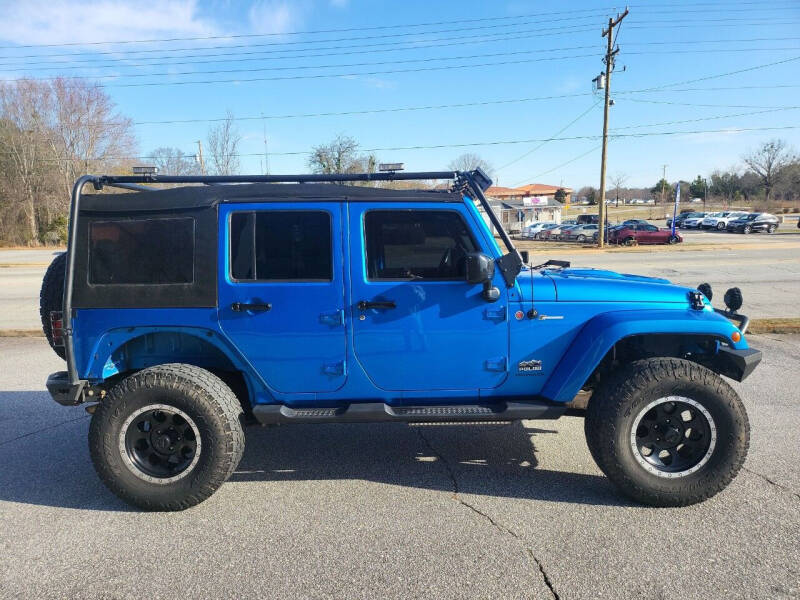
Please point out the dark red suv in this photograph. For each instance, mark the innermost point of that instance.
(643, 233)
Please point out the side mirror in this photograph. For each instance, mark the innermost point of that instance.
(525, 257)
(480, 269)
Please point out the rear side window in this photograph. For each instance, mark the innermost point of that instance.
(417, 244)
(144, 251)
(281, 246)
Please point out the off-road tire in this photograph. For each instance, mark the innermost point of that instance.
(205, 398)
(615, 405)
(51, 297)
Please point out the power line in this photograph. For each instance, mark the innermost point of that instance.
(117, 65)
(356, 74)
(344, 39)
(564, 164)
(334, 66)
(591, 12)
(661, 24)
(694, 104)
(308, 32)
(559, 132)
(471, 144)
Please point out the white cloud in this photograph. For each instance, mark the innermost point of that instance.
(274, 16)
(70, 21)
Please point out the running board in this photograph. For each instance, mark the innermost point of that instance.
(372, 412)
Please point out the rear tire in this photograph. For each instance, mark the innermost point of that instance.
(673, 239)
(166, 437)
(771, 229)
(708, 450)
(720, 226)
(51, 297)
(630, 241)
(747, 229)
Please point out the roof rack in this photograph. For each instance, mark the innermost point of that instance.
(475, 182)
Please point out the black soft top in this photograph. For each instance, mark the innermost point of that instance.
(197, 197)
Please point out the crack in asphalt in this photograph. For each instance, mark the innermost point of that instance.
(773, 482)
(44, 429)
(502, 528)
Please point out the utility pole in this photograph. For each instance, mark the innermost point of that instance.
(664, 184)
(200, 157)
(611, 52)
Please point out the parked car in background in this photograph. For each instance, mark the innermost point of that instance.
(684, 216)
(754, 222)
(635, 222)
(588, 219)
(643, 234)
(529, 232)
(720, 220)
(564, 232)
(544, 232)
(694, 222)
(580, 233)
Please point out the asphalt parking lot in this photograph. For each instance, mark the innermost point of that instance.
(392, 511)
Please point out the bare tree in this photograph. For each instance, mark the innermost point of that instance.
(618, 181)
(469, 162)
(52, 132)
(172, 161)
(223, 146)
(339, 156)
(768, 161)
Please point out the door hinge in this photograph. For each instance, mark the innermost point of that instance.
(498, 314)
(332, 318)
(336, 368)
(497, 364)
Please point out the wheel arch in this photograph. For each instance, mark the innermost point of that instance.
(609, 336)
(121, 352)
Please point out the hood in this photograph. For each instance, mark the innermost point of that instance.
(598, 285)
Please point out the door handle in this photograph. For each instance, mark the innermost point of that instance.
(364, 305)
(250, 306)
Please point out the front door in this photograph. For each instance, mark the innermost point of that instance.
(281, 296)
(417, 324)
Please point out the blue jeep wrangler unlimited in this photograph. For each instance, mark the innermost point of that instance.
(184, 313)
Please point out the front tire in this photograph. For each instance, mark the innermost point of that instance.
(166, 437)
(720, 226)
(667, 431)
(747, 229)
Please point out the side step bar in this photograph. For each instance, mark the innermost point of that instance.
(371, 412)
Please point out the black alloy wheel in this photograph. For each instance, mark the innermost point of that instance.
(160, 443)
(673, 436)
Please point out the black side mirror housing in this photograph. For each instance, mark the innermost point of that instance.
(480, 269)
(525, 256)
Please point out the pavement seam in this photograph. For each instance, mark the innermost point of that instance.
(501, 528)
(772, 482)
(43, 429)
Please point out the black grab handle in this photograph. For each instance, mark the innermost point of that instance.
(243, 306)
(364, 305)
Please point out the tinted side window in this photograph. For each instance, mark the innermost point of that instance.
(417, 244)
(281, 245)
(151, 251)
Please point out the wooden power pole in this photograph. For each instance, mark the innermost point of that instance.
(611, 52)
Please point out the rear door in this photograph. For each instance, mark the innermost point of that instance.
(417, 324)
(281, 292)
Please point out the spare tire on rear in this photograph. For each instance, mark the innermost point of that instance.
(51, 297)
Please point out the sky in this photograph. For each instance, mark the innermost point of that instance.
(425, 81)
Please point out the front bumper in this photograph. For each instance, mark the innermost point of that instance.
(64, 392)
(736, 364)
